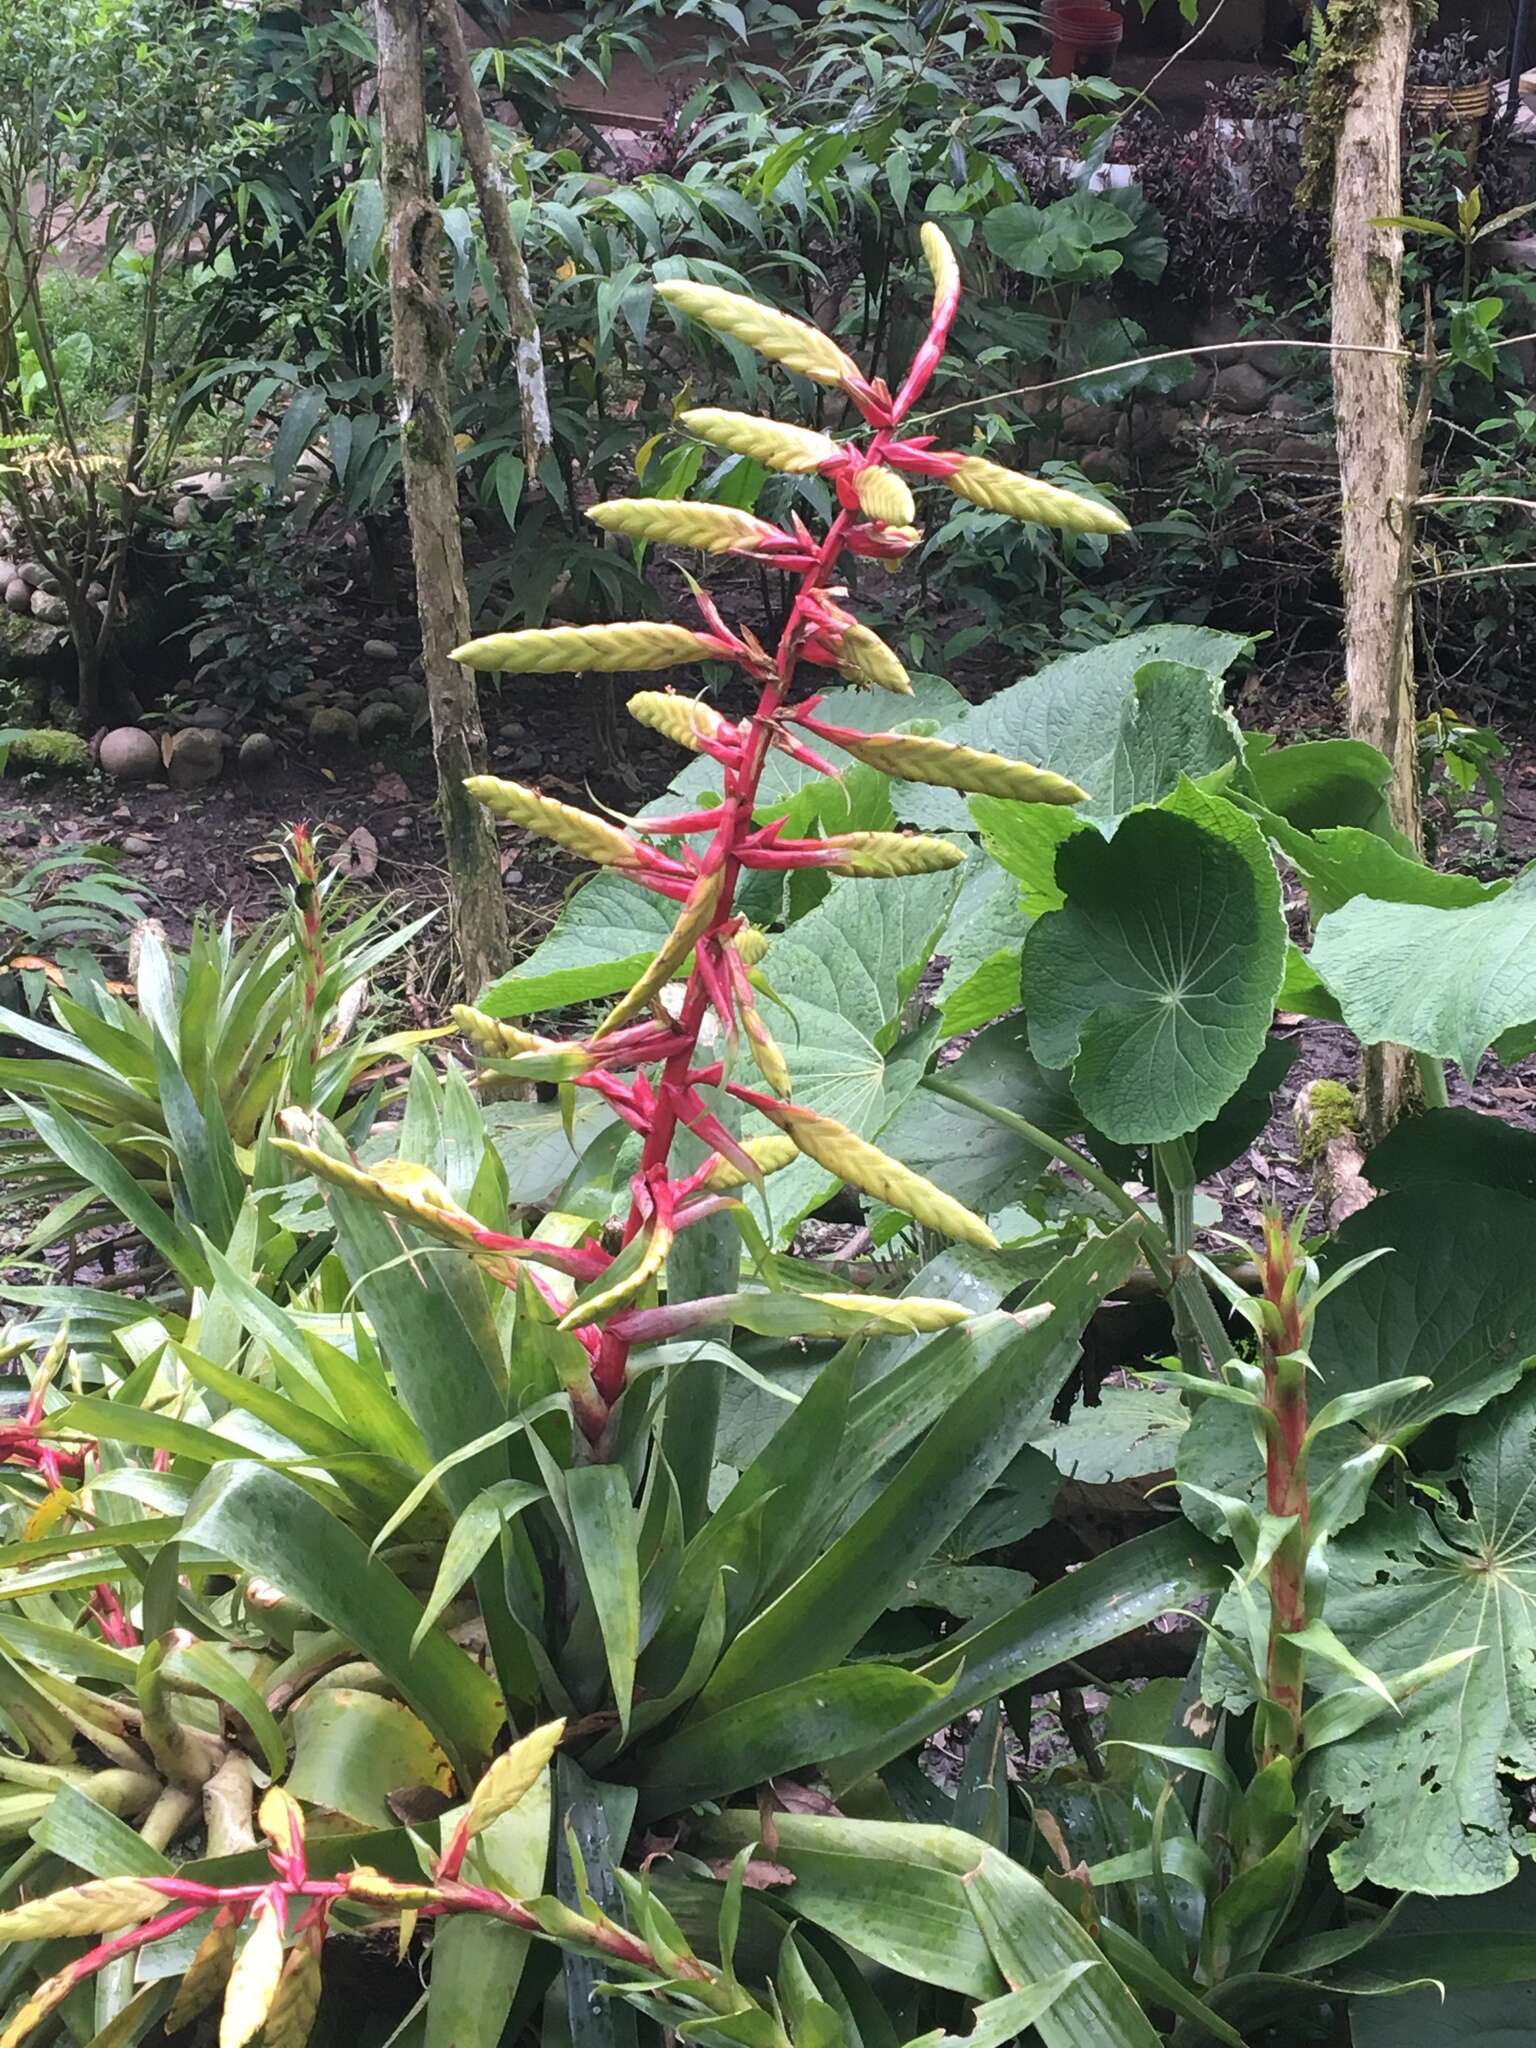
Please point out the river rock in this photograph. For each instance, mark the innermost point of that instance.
(1241, 388)
(381, 650)
(129, 754)
(380, 719)
(34, 575)
(18, 597)
(193, 757)
(258, 755)
(52, 610)
(333, 728)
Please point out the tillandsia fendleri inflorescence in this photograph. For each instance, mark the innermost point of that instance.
(646, 1058)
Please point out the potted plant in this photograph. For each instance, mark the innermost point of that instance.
(1450, 87)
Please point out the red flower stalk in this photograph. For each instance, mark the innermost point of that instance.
(647, 1058)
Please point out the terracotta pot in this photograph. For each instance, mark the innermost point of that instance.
(1461, 111)
(1084, 38)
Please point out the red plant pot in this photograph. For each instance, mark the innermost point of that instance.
(1084, 39)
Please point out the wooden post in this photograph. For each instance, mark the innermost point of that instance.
(1379, 443)
(423, 337)
(500, 235)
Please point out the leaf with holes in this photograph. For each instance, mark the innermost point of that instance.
(1405, 1587)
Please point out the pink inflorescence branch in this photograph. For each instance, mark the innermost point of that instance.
(645, 1059)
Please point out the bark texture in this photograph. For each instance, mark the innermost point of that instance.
(423, 337)
(500, 234)
(1378, 439)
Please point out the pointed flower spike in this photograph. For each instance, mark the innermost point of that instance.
(997, 489)
(915, 757)
(779, 336)
(716, 529)
(512, 1776)
(883, 495)
(571, 650)
(659, 1238)
(255, 1977)
(889, 853)
(688, 720)
(101, 1906)
(769, 1153)
(206, 1974)
(853, 1159)
(854, 649)
(693, 921)
(942, 267)
(492, 1038)
(291, 2016)
(576, 830)
(794, 451)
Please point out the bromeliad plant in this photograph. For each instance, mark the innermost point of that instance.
(647, 1058)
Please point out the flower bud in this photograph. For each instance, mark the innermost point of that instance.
(947, 765)
(883, 495)
(688, 720)
(772, 1152)
(997, 489)
(780, 337)
(796, 451)
(853, 1159)
(717, 529)
(570, 650)
(578, 831)
(892, 853)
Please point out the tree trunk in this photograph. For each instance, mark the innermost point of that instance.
(1378, 445)
(423, 337)
(500, 235)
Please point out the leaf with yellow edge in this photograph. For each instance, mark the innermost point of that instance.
(693, 921)
(254, 1979)
(512, 1776)
(291, 2019)
(853, 1159)
(281, 1819)
(50, 1993)
(206, 1974)
(103, 1906)
(50, 1510)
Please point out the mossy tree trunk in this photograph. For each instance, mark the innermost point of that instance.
(423, 338)
(500, 235)
(1378, 438)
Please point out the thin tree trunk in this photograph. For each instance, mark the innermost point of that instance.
(1378, 447)
(423, 337)
(500, 235)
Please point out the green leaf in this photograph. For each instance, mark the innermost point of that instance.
(353, 1749)
(984, 945)
(1032, 1936)
(472, 1535)
(79, 1831)
(820, 1618)
(68, 1139)
(1444, 1146)
(779, 1730)
(1452, 1302)
(1480, 1950)
(1317, 783)
(477, 1962)
(982, 1163)
(268, 1525)
(606, 1532)
(608, 932)
(1120, 1590)
(1099, 718)
(1405, 1587)
(1446, 982)
(1156, 982)
(1129, 1433)
(203, 1667)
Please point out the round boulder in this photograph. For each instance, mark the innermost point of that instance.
(381, 719)
(18, 597)
(52, 610)
(333, 728)
(129, 754)
(193, 757)
(258, 755)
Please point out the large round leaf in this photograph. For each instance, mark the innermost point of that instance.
(1155, 982)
